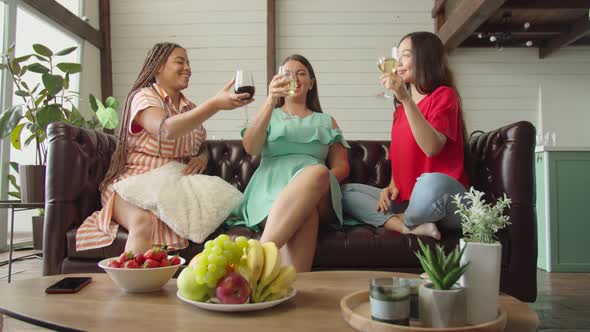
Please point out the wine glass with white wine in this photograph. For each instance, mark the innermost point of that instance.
(292, 85)
(387, 65)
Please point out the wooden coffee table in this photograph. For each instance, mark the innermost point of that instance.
(103, 306)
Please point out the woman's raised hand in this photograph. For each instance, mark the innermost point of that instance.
(278, 88)
(394, 83)
(226, 99)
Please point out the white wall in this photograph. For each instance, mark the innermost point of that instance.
(343, 39)
(219, 36)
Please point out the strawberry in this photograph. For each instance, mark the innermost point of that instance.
(140, 259)
(150, 263)
(175, 260)
(115, 264)
(131, 264)
(164, 263)
(125, 256)
(156, 253)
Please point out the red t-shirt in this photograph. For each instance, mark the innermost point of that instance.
(408, 161)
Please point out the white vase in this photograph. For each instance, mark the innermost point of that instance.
(441, 308)
(481, 280)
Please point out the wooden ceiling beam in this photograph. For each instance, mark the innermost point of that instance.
(68, 20)
(465, 19)
(579, 29)
(547, 4)
(534, 28)
(439, 6)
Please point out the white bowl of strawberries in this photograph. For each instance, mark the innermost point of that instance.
(144, 272)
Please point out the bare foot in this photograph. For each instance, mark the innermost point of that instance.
(428, 229)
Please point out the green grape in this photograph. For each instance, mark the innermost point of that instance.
(211, 284)
(200, 269)
(199, 279)
(217, 250)
(209, 244)
(221, 261)
(241, 242)
(212, 268)
(221, 239)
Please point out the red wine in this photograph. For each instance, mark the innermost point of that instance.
(246, 89)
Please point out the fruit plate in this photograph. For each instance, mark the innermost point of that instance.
(356, 311)
(237, 307)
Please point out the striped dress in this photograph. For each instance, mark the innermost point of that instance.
(99, 230)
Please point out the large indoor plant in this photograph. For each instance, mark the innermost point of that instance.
(43, 103)
(441, 301)
(480, 222)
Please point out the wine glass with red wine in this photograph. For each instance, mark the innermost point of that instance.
(244, 84)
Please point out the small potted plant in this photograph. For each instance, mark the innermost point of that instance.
(441, 301)
(480, 222)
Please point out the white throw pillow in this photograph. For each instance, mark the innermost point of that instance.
(193, 206)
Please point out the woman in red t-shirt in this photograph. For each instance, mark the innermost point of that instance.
(426, 151)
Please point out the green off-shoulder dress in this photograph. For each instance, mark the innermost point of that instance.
(291, 145)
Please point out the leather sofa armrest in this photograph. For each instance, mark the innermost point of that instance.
(502, 161)
(77, 160)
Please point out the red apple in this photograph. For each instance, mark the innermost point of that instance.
(232, 289)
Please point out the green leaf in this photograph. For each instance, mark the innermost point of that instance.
(10, 119)
(29, 139)
(14, 166)
(23, 71)
(35, 88)
(92, 101)
(10, 49)
(108, 117)
(12, 180)
(67, 50)
(67, 81)
(69, 67)
(76, 117)
(41, 58)
(38, 68)
(21, 93)
(48, 114)
(25, 85)
(15, 67)
(23, 58)
(111, 102)
(15, 136)
(3, 66)
(42, 50)
(14, 194)
(53, 83)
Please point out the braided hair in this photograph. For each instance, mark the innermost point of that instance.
(156, 58)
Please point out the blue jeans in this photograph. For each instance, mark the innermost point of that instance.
(430, 201)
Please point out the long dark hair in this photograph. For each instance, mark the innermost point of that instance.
(156, 57)
(313, 100)
(431, 67)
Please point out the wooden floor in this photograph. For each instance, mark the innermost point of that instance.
(563, 301)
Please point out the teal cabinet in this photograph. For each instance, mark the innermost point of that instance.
(563, 209)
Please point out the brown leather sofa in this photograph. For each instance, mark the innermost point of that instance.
(500, 161)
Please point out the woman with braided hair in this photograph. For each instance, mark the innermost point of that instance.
(159, 125)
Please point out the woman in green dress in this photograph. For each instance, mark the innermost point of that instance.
(293, 189)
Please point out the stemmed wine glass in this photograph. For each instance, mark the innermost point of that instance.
(387, 65)
(244, 84)
(292, 85)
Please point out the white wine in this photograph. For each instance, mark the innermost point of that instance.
(292, 87)
(387, 65)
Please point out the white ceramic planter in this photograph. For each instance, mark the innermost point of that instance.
(441, 308)
(481, 280)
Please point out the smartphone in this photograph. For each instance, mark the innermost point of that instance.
(68, 285)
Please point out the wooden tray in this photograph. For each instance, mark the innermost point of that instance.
(356, 311)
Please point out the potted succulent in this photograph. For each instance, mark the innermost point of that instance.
(480, 222)
(42, 103)
(441, 301)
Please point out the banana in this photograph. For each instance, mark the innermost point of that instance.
(271, 268)
(277, 296)
(281, 283)
(254, 263)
